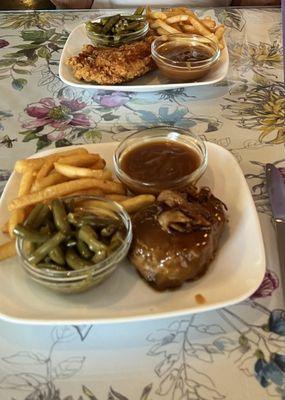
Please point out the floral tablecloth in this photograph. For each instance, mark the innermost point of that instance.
(237, 353)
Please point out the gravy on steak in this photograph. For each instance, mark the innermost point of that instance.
(175, 239)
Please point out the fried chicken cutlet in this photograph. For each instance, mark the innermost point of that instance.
(109, 66)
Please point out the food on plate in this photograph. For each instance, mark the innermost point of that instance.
(63, 189)
(110, 66)
(176, 238)
(78, 172)
(64, 235)
(185, 57)
(183, 20)
(121, 46)
(160, 158)
(73, 172)
(36, 163)
(40, 181)
(136, 203)
(117, 29)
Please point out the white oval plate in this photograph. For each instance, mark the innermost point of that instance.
(150, 82)
(235, 273)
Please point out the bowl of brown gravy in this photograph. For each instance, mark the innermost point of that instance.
(185, 57)
(160, 158)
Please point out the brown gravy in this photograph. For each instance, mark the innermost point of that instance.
(183, 53)
(160, 161)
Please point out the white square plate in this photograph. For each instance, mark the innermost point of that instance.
(150, 82)
(235, 273)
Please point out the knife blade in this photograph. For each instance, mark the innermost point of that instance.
(276, 192)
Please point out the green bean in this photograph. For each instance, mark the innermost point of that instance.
(60, 217)
(100, 255)
(108, 231)
(32, 217)
(93, 27)
(69, 205)
(57, 255)
(132, 26)
(29, 234)
(116, 241)
(75, 262)
(104, 20)
(83, 249)
(109, 25)
(41, 252)
(139, 11)
(89, 236)
(37, 216)
(71, 242)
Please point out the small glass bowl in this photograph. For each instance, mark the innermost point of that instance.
(101, 40)
(149, 135)
(77, 281)
(184, 71)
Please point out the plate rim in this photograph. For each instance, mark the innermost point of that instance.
(147, 315)
(133, 88)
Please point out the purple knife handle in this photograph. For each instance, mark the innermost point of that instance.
(280, 233)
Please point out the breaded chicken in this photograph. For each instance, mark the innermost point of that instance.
(109, 66)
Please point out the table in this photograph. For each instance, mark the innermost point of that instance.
(236, 353)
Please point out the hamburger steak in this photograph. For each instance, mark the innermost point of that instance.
(176, 238)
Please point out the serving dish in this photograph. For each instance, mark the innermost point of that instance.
(152, 81)
(78, 280)
(159, 135)
(234, 275)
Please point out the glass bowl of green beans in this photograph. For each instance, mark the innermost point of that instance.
(72, 244)
(116, 30)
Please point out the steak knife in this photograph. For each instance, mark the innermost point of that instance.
(276, 191)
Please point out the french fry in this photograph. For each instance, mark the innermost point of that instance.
(18, 216)
(158, 15)
(209, 23)
(65, 188)
(176, 26)
(182, 19)
(36, 163)
(45, 169)
(7, 250)
(79, 172)
(83, 160)
(136, 203)
(162, 32)
(219, 33)
(89, 192)
(26, 182)
(177, 18)
(52, 179)
(201, 29)
(168, 28)
(5, 227)
(117, 197)
(189, 29)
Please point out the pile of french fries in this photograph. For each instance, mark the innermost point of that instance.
(68, 173)
(184, 20)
